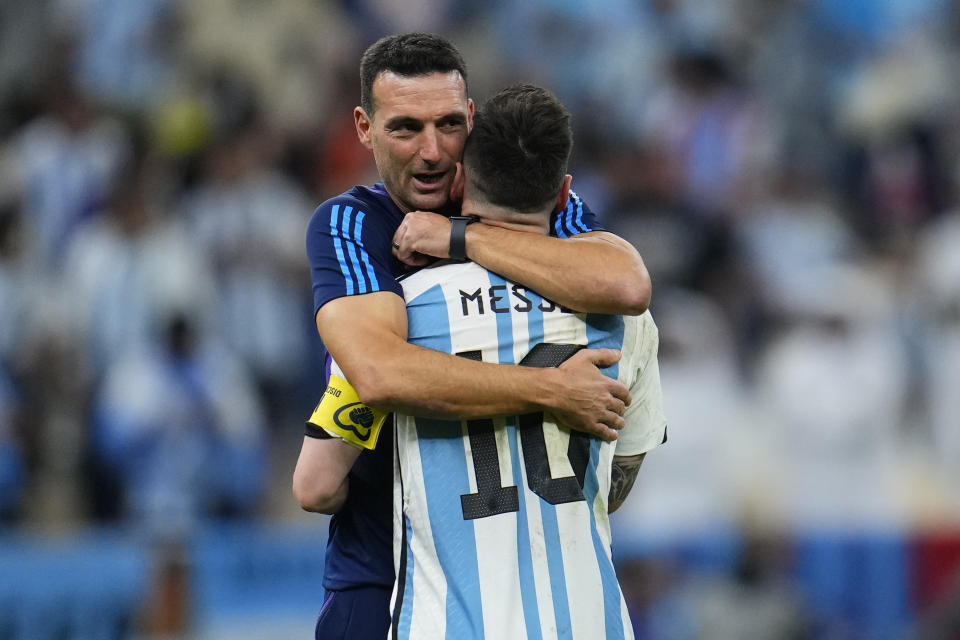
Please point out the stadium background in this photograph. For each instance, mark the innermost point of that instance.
(788, 169)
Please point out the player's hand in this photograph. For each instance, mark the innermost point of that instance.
(421, 237)
(588, 400)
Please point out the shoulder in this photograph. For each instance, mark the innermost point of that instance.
(360, 208)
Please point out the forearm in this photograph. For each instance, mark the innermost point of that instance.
(595, 272)
(623, 475)
(418, 381)
(367, 336)
(320, 478)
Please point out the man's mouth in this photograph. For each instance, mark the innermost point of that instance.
(427, 180)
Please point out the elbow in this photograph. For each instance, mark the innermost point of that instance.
(632, 296)
(375, 386)
(318, 495)
(635, 296)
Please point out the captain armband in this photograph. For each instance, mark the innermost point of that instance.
(340, 414)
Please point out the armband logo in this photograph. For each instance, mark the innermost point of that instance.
(342, 415)
(359, 419)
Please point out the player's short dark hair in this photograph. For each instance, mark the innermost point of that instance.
(408, 54)
(518, 150)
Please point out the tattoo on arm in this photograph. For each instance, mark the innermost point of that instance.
(625, 470)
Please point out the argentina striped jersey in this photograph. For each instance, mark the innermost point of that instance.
(500, 525)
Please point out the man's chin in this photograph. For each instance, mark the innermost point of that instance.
(431, 200)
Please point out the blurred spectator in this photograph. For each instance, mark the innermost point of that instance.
(65, 161)
(695, 485)
(249, 220)
(178, 424)
(938, 267)
(123, 48)
(14, 290)
(699, 118)
(759, 601)
(286, 55)
(127, 266)
(12, 467)
(832, 383)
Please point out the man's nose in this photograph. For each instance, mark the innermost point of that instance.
(430, 147)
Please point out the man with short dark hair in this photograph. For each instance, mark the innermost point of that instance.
(500, 523)
(415, 119)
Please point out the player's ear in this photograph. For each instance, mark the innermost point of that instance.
(564, 194)
(456, 187)
(469, 114)
(364, 126)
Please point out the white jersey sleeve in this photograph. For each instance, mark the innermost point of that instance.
(646, 423)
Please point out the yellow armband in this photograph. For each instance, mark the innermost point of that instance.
(341, 414)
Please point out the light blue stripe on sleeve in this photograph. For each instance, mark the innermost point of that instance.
(579, 208)
(548, 512)
(358, 236)
(352, 250)
(569, 215)
(558, 226)
(528, 585)
(338, 247)
(443, 465)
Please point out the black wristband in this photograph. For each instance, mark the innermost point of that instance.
(313, 431)
(458, 236)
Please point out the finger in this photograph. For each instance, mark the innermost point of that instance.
(603, 357)
(617, 390)
(618, 406)
(410, 258)
(612, 420)
(604, 433)
(418, 259)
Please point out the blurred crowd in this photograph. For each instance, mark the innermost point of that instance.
(789, 170)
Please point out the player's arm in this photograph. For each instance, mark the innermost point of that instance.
(645, 425)
(596, 272)
(625, 469)
(367, 336)
(591, 271)
(320, 479)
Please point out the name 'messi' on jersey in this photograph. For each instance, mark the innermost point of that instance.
(501, 298)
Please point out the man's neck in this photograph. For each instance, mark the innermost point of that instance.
(506, 218)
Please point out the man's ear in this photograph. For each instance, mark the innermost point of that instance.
(364, 126)
(456, 187)
(469, 114)
(564, 194)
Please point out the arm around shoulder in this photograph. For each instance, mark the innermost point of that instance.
(594, 272)
(366, 335)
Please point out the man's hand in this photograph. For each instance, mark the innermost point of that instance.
(587, 400)
(421, 237)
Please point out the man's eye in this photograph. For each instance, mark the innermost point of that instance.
(398, 130)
